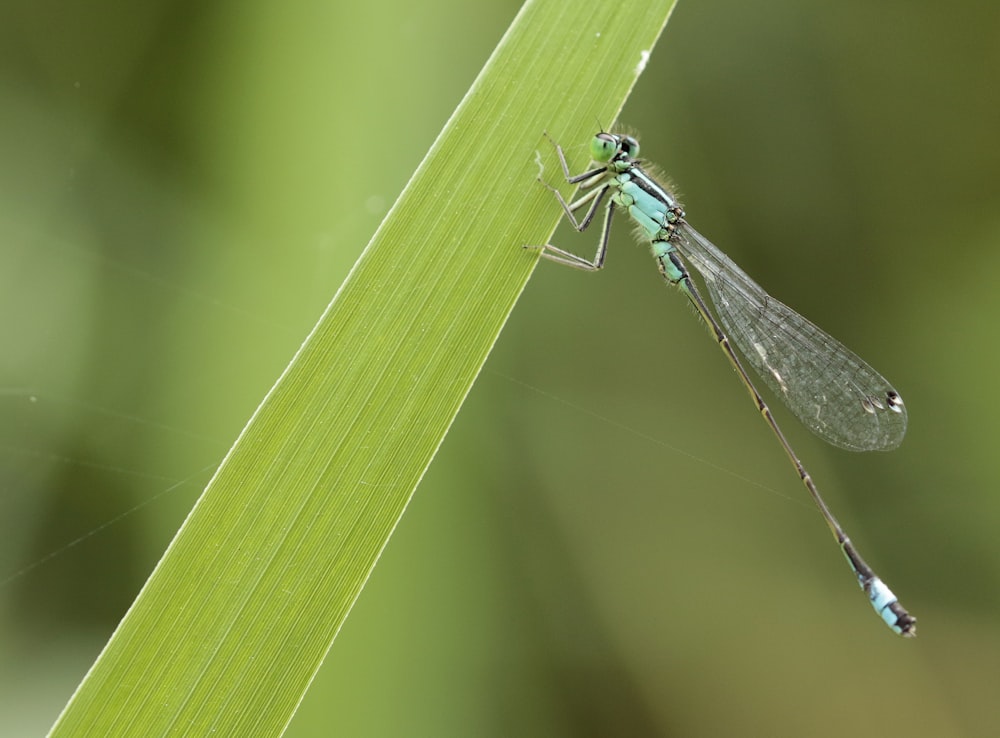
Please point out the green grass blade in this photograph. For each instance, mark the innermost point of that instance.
(237, 617)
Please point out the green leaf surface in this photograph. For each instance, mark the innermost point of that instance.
(233, 624)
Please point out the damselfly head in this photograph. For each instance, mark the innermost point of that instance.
(606, 147)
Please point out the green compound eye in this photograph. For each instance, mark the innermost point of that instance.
(629, 147)
(607, 146)
(603, 147)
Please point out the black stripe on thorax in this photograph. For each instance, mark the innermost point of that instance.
(648, 185)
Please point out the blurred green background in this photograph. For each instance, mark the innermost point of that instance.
(609, 541)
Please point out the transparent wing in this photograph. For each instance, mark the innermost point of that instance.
(828, 387)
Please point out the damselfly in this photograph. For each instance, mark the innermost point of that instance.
(829, 388)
